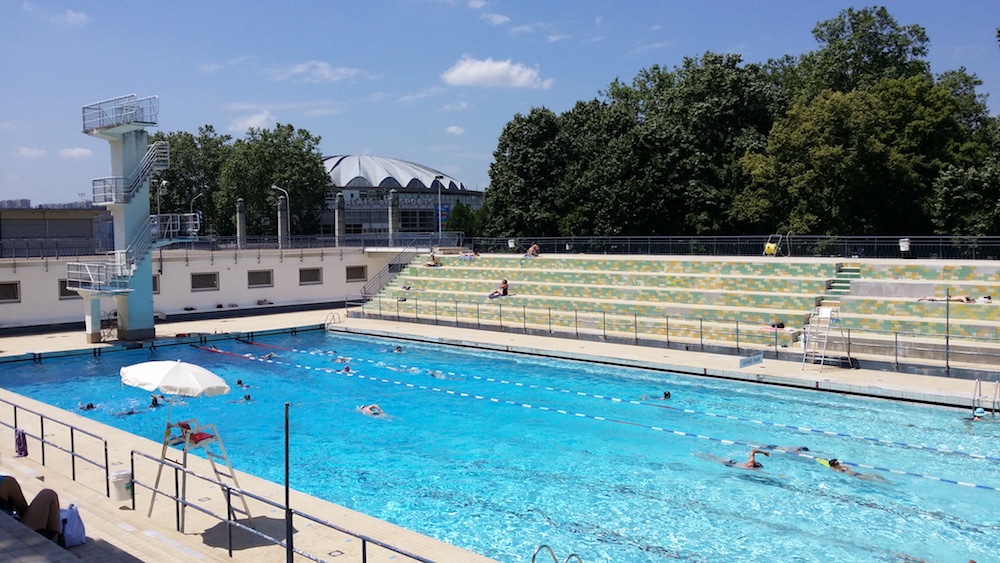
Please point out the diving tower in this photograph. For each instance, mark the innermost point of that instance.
(126, 273)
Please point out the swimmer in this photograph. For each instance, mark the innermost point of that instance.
(87, 407)
(789, 449)
(750, 463)
(978, 414)
(664, 397)
(371, 410)
(398, 350)
(341, 360)
(346, 369)
(839, 467)
(268, 356)
(241, 385)
(154, 401)
(246, 398)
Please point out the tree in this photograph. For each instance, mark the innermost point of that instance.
(966, 201)
(463, 219)
(285, 157)
(859, 49)
(195, 166)
(527, 163)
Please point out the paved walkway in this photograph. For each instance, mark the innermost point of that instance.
(117, 533)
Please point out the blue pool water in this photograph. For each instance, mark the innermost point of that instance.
(501, 453)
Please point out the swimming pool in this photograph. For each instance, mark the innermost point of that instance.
(499, 453)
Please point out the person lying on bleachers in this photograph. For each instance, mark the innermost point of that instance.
(42, 515)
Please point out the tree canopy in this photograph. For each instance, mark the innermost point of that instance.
(855, 137)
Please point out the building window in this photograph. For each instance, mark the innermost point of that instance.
(357, 273)
(156, 284)
(65, 293)
(260, 278)
(10, 292)
(205, 282)
(310, 276)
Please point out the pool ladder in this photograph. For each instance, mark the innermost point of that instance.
(978, 396)
(553, 555)
(331, 319)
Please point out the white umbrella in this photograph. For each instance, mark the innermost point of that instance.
(174, 378)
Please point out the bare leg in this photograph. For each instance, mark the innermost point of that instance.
(43, 513)
(10, 491)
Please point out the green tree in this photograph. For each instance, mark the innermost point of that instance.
(966, 201)
(285, 157)
(195, 166)
(462, 218)
(526, 165)
(859, 49)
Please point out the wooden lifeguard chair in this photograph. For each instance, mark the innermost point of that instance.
(190, 435)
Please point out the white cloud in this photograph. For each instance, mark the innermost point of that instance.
(505, 74)
(642, 49)
(495, 19)
(27, 152)
(425, 93)
(209, 68)
(457, 106)
(261, 120)
(316, 71)
(75, 153)
(71, 18)
(556, 37)
(454, 130)
(477, 4)
(598, 20)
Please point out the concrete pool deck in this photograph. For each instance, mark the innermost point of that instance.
(118, 533)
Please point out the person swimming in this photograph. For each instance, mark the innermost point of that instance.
(371, 410)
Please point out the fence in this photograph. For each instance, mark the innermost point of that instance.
(690, 333)
(290, 513)
(48, 439)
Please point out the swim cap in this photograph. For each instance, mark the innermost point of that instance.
(979, 411)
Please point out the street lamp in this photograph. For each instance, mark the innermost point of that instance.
(438, 179)
(159, 191)
(288, 205)
(192, 201)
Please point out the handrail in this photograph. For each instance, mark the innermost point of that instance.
(72, 440)
(231, 522)
(718, 335)
(118, 111)
(549, 549)
(115, 189)
(395, 265)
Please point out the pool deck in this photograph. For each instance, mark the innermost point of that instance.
(117, 533)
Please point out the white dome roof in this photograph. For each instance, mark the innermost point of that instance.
(366, 171)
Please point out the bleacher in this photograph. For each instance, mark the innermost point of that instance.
(712, 303)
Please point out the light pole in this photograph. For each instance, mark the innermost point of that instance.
(159, 191)
(192, 201)
(438, 179)
(288, 205)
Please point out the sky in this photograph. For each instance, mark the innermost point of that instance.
(429, 81)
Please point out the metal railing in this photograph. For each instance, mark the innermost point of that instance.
(181, 503)
(896, 349)
(120, 190)
(940, 247)
(118, 111)
(44, 440)
(396, 265)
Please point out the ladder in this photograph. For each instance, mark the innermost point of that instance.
(816, 334)
(192, 436)
(553, 555)
(978, 396)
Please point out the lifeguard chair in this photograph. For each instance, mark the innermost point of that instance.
(190, 436)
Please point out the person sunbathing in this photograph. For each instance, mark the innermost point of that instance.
(500, 291)
(42, 515)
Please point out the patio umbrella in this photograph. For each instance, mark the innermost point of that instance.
(174, 378)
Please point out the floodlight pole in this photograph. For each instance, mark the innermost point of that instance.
(288, 203)
(192, 201)
(438, 179)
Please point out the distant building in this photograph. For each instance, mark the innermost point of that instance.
(15, 204)
(365, 182)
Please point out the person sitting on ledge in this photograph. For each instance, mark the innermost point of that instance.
(433, 262)
(42, 515)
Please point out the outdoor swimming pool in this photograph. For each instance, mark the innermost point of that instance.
(501, 453)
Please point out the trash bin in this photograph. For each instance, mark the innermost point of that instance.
(121, 485)
(904, 245)
(511, 243)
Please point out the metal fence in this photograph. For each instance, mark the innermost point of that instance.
(47, 438)
(927, 247)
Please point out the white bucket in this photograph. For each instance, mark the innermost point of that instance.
(121, 485)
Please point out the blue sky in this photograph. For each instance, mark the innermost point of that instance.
(430, 81)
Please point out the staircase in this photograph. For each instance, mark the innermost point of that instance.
(841, 284)
(121, 190)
